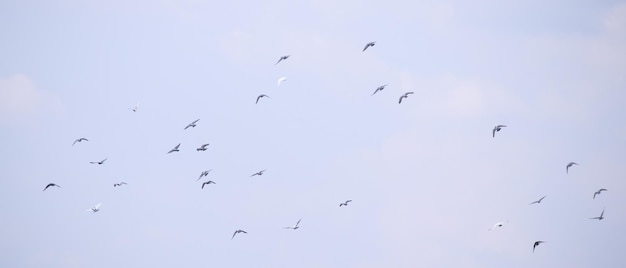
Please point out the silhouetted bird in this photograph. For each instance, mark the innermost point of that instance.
(496, 129)
(51, 185)
(79, 140)
(380, 88)
(192, 124)
(538, 201)
(282, 58)
(570, 164)
(600, 217)
(258, 173)
(537, 243)
(203, 147)
(175, 149)
(370, 44)
(345, 203)
(238, 231)
(99, 162)
(598, 192)
(261, 96)
(405, 95)
(119, 184)
(207, 182)
(295, 227)
(204, 173)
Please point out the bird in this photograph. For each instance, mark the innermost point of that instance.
(136, 108)
(345, 203)
(538, 201)
(600, 217)
(99, 162)
(175, 149)
(258, 173)
(282, 79)
(380, 88)
(598, 192)
(496, 129)
(119, 184)
(295, 227)
(203, 147)
(207, 182)
(192, 124)
(497, 225)
(282, 58)
(405, 95)
(537, 244)
(50, 185)
(370, 44)
(204, 173)
(238, 231)
(95, 209)
(261, 96)
(79, 140)
(570, 164)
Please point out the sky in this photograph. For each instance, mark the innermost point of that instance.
(427, 178)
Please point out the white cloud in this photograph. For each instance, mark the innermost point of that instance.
(20, 99)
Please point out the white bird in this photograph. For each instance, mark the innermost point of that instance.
(600, 217)
(295, 227)
(238, 231)
(95, 209)
(405, 95)
(175, 149)
(496, 129)
(370, 44)
(598, 192)
(79, 140)
(345, 203)
(51, 185)
(282, 58)
(207, 182)
(282, 79)
(538, 201)
(570, 164)
(192, 124)
(497, 225)
(261, 96)
(98, 162)
(380, 88)
(204, 173)
(258, 173)
(203, 147)
(136, 108)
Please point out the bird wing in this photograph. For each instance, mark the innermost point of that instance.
(74, 142)
(400, 100)
(297, 223)
(258, 98)
(103, 160)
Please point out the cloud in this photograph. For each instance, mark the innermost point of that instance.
(21, 100)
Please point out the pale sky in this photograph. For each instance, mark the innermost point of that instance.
(426, 177)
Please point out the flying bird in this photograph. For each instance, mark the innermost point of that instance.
(202, 148)
(204, 173)
(405, 95)
(175, 149)
(99, 162)
(600, 217)
(192, 124)
(538, 201)
(258, 173)
(370, 44)
(136, 108)
(570, 164)
(345, 203)
(496, 129)
(497, 225)
(207, 182)
(282, 58)
(380, 88)
(51, 185)
(261, 96)
(282, 79)
(119, 184)
(295, 227)
(537, 243)
(95, 209)
(79, 140)
(238, 231)
(598, 192)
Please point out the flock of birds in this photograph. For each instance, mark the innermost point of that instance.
(281, 80)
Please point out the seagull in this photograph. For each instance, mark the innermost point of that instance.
(282, 58)
(537, 244)
(345, 203)
(295, 227)
(497, 225)
(175, 149)
(380, 88)
(50, 185)
(538, 201)
(370, 44)
(207, 182)
(96, 208)
(203, 147)
(79, 140)
(497, 129)
(569, 165)
(192, 124)
(599, 218)
(405, 95)
(238, 231)
(261, 96)
(99, 162)
(136, 108)
(282, 79)
(119, 184)
(204, 173)
(258, 173)
(598, 192)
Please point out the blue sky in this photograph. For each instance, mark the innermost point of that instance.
(426, 177)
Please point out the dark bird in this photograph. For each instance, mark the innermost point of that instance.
(50, 185)
(570, 164)
(192, 124)
(282, 58)
(405, 95)
(370, 44)
(207, 182)
(261, 96)
(79, 140)
(95, 209)
(496, 129)
(295, 227)
(119, 184)
(538, 201)
(204, 173)
(600, 217)
(258, 173)
(537, 244)
(598, 192)
(175, 149)
(497, 225)
(238, 231)
(345, 203)
(136, 108)
(202, 148)
(380, 88)
(99, 162)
